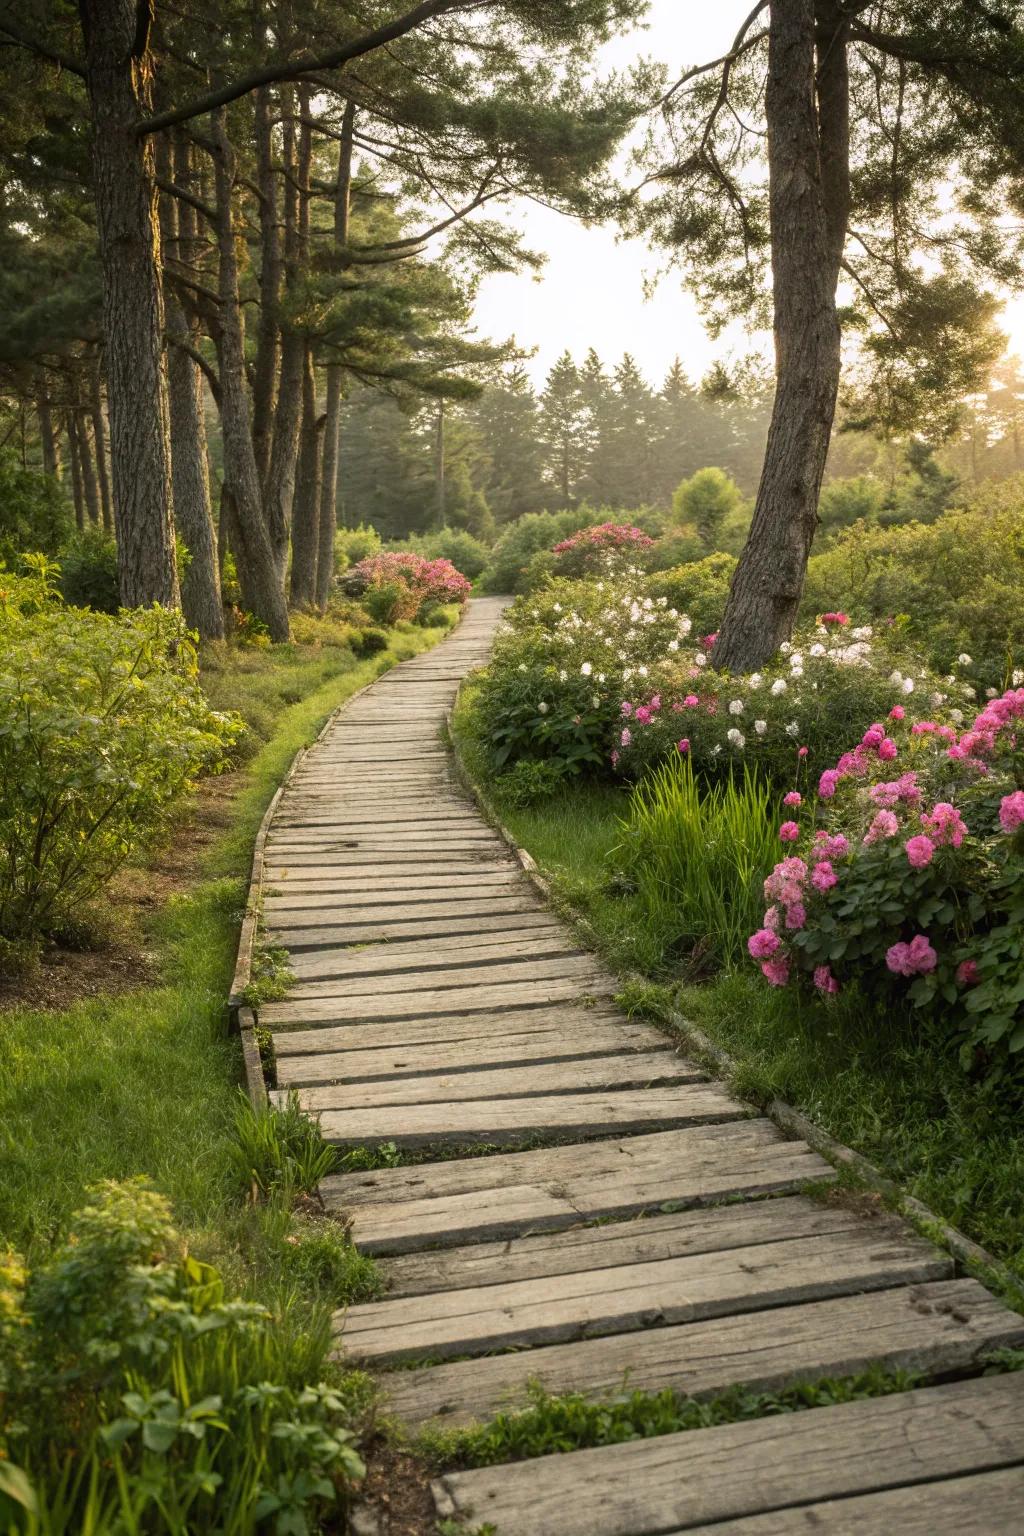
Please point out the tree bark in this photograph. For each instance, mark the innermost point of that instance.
(100, 437)
(87, 466)
(268, 350)
(190, 474)
(48, 439)
(306, 518)
(257, 572)
(808, 162)
(284, 447)
(76, 472)
(332, 419)
(117, 69)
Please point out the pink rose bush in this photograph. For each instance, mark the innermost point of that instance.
(906, 877)
(428, 580)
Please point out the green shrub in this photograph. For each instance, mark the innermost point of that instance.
(390, 601)
(88, 571)
(135, 1395)
(699, 589)
(697, 856)
(278, 1150)
(103, 725)
(846, 501)
(35, 516)
(531, 534)
(468, 554)
(530, 780)
(354, 544)
(679, 546)
(706, 501)
(956, 583)
(370, 641)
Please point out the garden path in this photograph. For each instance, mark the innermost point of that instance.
(624, 1220)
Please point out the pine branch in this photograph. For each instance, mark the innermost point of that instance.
(42, 50)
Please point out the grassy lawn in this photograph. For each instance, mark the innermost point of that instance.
(145, 1083)
(869, 1079)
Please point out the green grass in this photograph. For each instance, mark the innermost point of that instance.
(558, 1425)
(145, 1083)
(871, 1080)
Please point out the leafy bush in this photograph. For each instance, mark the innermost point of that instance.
(531, 779)
(706, 501)
(846, 501)
(792, 717)
(88, 571)
(533, 533)
(700, 589)
(604, 548)
(420, 579)
(697, 855)
(103, 725)
(908, 877)
(370, 641)
(354, 544)
(135, 1395)
(559, 666)
(468, 554)
(679, 546)
(35, 516)
(956, 584)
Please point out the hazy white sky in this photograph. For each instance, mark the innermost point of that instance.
(591, 291)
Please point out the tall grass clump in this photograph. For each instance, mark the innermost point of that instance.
(697, 856)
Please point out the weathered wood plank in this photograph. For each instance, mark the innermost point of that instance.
(415, 1005)
(640, 1240)
(324, 934)
(511, 1120)
(461, 1056)
(325, 1089)
(937, 1329)
(391, 916)
(742, 1469)
(318, 881)
(475, 973)
(546, 1025)
(412, 955)
(985, 1504)
(639, 1295)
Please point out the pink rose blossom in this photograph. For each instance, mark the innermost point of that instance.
(642, 715)
(967, 973)
(793, 798)
(802, 751)
(824, 877)
(773, 919)
(920, 851)
(825, 981)
(835, 847)
(888, 750)
(776, 971)
(835, 618)
(691, 701)
(789, 831)
(945, 824)
(897, 712)
(796, 916)
(627, 709)
(763, 944)
(1011, 811)
(913, 959)
(682, 747)
(626, 737)
(873, 736)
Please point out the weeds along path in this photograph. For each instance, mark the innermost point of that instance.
(624, 1219)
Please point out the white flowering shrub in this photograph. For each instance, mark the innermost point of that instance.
(788, 720)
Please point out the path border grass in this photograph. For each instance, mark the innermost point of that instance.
(969, 1255)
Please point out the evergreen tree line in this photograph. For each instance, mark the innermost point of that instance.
(592, 434)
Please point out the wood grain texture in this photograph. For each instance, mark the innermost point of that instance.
(743, 1469)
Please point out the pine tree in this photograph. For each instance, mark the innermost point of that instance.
(564, 428)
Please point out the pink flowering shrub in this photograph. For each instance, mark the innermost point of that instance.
(605, 548)
(907, 877)
(426, 580)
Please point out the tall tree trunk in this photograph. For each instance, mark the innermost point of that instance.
(190, 473)
(48, 439)
(76, 471)
(87, 466)
(250, 539)
(808, 163)
(439, 467)
(117, 68)
(284, 447)
(306, 519)
(332, 418)
(268, 350)
(100, 437)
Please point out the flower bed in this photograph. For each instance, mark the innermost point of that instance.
(410, 581)
(906, 875)
(604, 548)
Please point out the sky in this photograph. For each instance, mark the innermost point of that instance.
(590, 292)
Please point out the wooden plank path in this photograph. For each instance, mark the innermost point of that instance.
(625, 1223)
